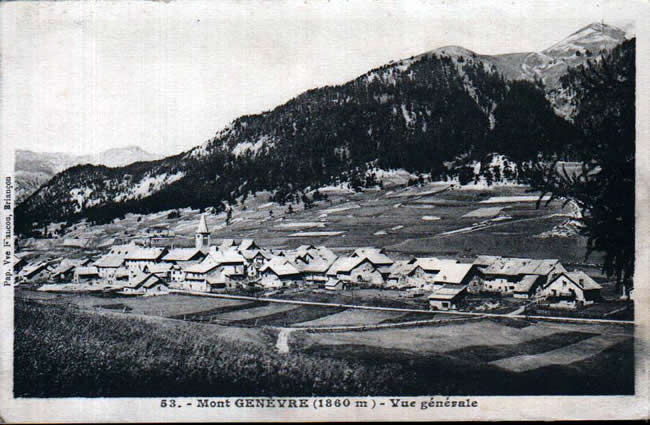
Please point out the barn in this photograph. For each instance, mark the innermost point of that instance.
(528, 286)
(447, 297)
(138, 258)
(504, 275)
(147, 284)
(336, 285)
(36, 272)
(279, 273)
(64, 273)
(356, 270)
(574, 287)
(183, 255)
(109, 264)
(316, 271)
(456, 274)
(86, 274)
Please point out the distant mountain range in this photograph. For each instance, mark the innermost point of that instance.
(32, 169)
(420, 114)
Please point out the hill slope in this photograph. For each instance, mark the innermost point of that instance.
(32, 169)
(416, 114)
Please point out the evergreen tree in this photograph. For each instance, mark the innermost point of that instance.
(604, 95)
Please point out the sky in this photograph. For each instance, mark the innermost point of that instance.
(85, 76)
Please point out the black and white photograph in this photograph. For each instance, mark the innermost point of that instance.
(331, 210)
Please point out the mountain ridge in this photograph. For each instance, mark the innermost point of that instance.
(414, 113)
(32, 169)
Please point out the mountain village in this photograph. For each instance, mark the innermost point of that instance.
(453, 223)
(235, 266)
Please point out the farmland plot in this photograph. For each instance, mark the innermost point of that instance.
(256, 312)
(485, 212)
(351, 317)
(561, 356)
(437, 339)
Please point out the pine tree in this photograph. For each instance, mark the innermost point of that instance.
(604, 189)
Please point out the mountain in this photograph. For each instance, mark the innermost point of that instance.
(32, 169)
(549, 65)
(419, 113)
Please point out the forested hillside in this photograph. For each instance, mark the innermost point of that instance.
(432, 114)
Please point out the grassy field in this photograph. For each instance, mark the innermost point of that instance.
(165, 306)
(370, 218)
(61, 352)
(352, 317)
(292, 316)
(256, 313)
(65, 352)
(497, 358)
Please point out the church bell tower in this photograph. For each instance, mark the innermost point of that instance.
(202, 237)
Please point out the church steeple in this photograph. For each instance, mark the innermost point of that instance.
(202, 237)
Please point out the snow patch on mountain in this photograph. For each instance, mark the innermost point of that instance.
(79, 197)
(148, 185)
(409, 117)
(249, 147)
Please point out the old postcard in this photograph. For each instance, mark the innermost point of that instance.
(323, 211)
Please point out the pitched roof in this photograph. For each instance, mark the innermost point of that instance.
(519, 266)
(181, 254)
(486, 260)
(227, 243)
(326, 253)
(33, 268)
(86, 271)
(110, 261)
(76, 261)
(246, 244)
(581, 279)
(159, 268)
(333, 283)
(123, 249)
(121, 273)
(401, 268)
(432, 264)
(318, 265)
(250, 254)
(584, 280)
(346, 264)
(151, 254)
(63, 268)
(216, 279)
(546, 266)
(203, 226)
(526, 283)
(146, 280)
(453, 272)
(298, 255)
(228, 256)
(306, 248)
(203, 267)
(280, 268)
(375, 255)
(447, 292)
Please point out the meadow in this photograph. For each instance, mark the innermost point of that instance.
(406, 221)
(62, 351)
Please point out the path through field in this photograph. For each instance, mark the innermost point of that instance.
(283, 340)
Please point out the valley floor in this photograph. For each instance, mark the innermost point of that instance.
(92, 346)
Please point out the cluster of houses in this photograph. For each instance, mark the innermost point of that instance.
(140, 270)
